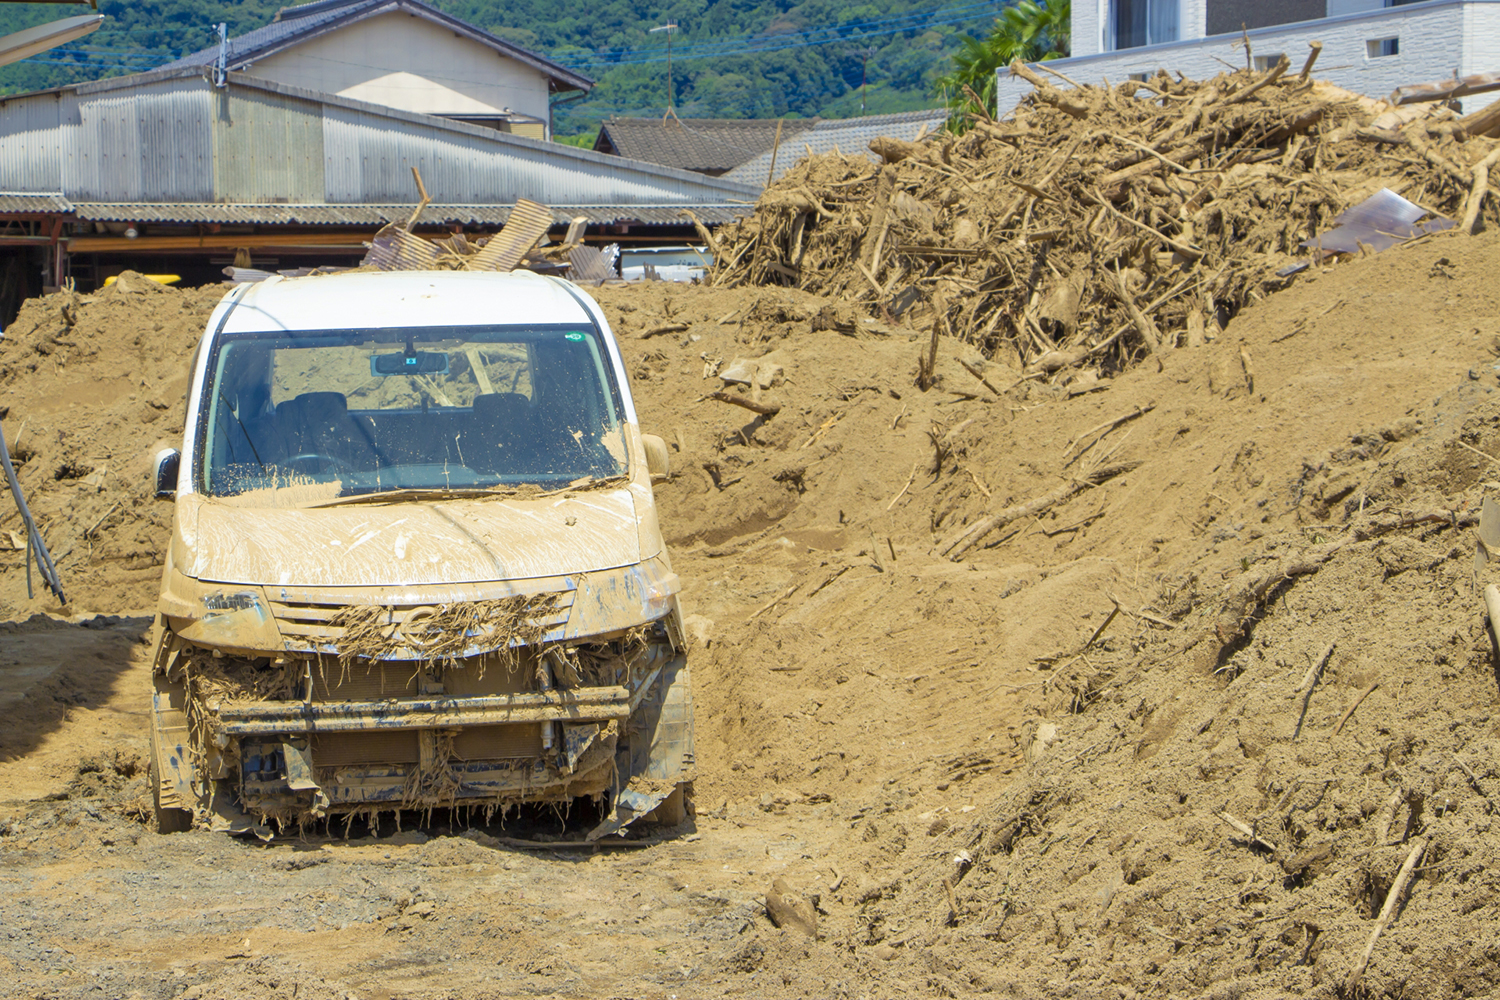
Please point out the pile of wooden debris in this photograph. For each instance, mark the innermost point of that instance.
(1096, 224)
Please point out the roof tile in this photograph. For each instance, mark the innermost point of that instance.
(704, 144)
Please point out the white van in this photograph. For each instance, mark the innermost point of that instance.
(415, 562)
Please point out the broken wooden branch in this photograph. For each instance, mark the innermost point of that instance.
(1246, 364)
(1309, 682)
(1492, 610)
(1103, 625)
(1475, 200)
(1150, 335)
(1349, 712)
(1271, 77)
(764, 409)
(1048, 94)
(657, 331)
(1314, 50)
(1109, 425)
(1392, 899)
(1248, 832)
(422, 204)
(909, 480)
(1484, 122)
(773, 602)
(980, 376)
(955, 546)
(1190, 252)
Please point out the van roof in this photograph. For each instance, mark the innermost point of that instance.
(396, 299)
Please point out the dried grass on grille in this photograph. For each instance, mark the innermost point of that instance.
(442, 633)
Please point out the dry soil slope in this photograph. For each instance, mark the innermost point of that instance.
(901, 685)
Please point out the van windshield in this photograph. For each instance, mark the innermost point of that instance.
(370, 411)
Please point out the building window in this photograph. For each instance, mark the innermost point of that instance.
(1264, 63)
(1133, 23)
(1376, 48)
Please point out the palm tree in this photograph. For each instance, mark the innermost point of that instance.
(1030, 30)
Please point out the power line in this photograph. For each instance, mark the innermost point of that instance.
(850, 31)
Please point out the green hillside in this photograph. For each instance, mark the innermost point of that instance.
(731, 58)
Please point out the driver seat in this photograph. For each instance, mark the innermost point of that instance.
(318, 423)
(500, 437)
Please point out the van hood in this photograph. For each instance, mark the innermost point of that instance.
(408, 543)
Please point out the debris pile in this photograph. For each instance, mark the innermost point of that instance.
(1100, 223)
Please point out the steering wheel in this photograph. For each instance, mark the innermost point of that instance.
(328, 463)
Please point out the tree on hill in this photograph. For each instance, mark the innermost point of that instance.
(1031, 31)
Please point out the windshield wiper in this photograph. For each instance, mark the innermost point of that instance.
(471, 492)
(432, 493)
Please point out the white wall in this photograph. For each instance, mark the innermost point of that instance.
(1435, 40)
(405, 62)
(1088, 27)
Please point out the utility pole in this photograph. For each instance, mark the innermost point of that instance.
(864, 61)
(669, 27)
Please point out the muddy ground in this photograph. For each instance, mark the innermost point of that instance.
(986, 783)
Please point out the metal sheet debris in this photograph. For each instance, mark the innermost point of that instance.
(1379, 223)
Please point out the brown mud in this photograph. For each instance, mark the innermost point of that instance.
(983, 780)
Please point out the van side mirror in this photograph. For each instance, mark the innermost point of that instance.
(658, 459)
(167, 462)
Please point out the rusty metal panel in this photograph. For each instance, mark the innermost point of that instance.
(31, 143)
(149, 143)
(176, 152)
(266, 147)
(106, 161)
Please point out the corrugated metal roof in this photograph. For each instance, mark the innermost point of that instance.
(850, 136)
(171, 137)
(33, 203)
(379, 215)
(284, 32)
(696, 143)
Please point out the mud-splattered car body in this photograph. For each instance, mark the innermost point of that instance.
(392, 589)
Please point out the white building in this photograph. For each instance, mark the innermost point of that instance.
(402, 54)
(1369, 46)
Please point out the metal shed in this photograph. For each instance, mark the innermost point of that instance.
(166, 163)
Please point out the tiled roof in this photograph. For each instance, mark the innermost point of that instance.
(25, 203)
(850, 136)
(704, 144)
(296, 24)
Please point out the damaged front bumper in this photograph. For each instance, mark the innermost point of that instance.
(244, 757)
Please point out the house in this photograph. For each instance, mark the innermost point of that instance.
(169, 172)
(402, 54)
(710, 146)
(850, 136)
(1370, 47)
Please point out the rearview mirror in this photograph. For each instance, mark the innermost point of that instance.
(658, 459)
(168, 460)
(416, 363)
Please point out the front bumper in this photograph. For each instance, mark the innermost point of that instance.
(289, 718)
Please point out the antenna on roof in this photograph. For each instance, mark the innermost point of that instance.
(221, 64)
(669, 27)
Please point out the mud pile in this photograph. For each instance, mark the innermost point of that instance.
(94, 385)
(1140, 653)
(1099, 224)
(1000, 767)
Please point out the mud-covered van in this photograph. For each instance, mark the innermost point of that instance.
(415, 562)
